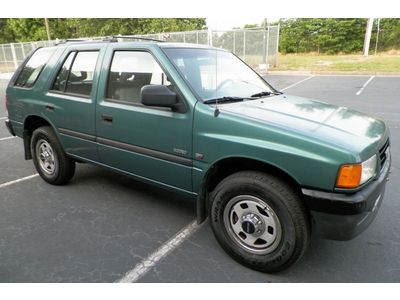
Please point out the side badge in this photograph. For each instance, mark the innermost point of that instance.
(180, 151)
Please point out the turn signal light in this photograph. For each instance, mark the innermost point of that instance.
(349, 176)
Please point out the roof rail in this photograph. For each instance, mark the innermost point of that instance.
(136, 38)
(113, 38)
(88, 40)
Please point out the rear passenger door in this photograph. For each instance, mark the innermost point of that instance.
(70, 101)
(149, 142)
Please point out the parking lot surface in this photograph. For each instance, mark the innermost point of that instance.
(102, 225)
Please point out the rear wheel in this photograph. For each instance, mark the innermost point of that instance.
(259, 220)
(50, 160)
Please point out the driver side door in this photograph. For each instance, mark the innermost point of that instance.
(151, 143)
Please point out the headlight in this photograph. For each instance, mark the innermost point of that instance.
(368, 169)
(353, 175)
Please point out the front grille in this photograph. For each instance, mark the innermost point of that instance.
(382, 153)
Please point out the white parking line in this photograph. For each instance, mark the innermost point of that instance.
(298, 82)
(18, 180)
(7, 138)
(145, 265)
(365, 84)
(3, 118)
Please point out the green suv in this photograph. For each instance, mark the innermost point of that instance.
(267, 168)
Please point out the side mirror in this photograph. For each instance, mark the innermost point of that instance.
(158, 95)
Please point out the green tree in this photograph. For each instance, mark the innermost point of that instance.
(322, 35)
(389, 34)
(6, 34)
(27, 29)
(33, 29)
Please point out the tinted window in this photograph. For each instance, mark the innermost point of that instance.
(31, 71)
(130, 71)
(61, 80)
(80, 78)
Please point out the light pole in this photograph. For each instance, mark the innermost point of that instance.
(46, 23)
(264, 59)
(368, 36)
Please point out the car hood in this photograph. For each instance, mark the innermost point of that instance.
(341, 126)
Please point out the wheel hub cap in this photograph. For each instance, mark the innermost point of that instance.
(252, 224)
(46, 157)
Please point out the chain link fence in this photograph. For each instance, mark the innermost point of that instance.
(11, 55)
(257, 47)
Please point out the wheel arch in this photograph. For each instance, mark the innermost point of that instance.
(31, 123)
(230, 165)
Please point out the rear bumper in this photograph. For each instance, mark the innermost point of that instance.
(344, 216)
(9, 127)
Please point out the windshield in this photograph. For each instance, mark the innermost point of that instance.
(216, 74)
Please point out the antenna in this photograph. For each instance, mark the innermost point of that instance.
(216, 111)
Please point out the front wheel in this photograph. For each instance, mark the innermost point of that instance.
(49, 158)
(259, 220)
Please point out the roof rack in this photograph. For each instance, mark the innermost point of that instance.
(88, 40)
(136, 38)
(113, 38)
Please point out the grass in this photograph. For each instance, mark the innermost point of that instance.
(388, 62)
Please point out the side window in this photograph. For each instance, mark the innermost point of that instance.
(80, 79)
(32, 69)
(130, 71)
(61, 80)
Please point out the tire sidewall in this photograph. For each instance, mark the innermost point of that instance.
(287, 244)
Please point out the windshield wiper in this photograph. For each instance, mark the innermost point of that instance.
(265, 94)
(261, 94)
(224, 99)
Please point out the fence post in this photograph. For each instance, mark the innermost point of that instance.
(234, 41)
(277, 45)
(197, 37)
(4, 59)
(14, 56)
(264, 54)
(244, 45)
(23, 50)
(267, 46)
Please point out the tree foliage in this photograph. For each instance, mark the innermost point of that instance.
(322, 35)
(335, 35)
(33, 29)
(389, 34)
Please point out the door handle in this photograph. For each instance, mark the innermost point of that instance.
(107, 118)
(49, 107)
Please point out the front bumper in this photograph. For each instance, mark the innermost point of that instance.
(344, 216)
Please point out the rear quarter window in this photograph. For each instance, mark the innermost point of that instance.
(32, 69)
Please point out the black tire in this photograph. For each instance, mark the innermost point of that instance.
(284, 204)
(64, 166)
